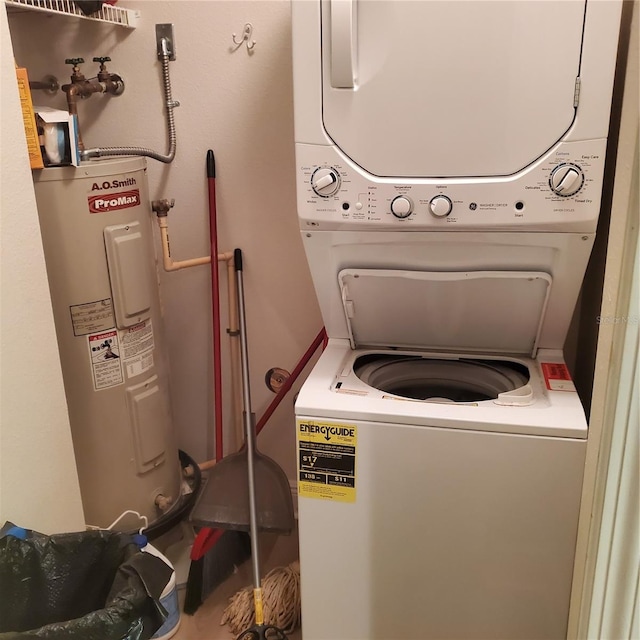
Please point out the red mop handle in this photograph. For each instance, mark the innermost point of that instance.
(319, 339)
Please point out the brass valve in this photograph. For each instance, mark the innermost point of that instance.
(81, 88)
(76, 74)
(103, 74)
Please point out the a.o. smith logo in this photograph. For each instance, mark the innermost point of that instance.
(114, 201)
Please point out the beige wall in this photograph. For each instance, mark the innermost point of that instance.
(38, 480)
(240, 106)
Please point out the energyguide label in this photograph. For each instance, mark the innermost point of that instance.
(327, 460)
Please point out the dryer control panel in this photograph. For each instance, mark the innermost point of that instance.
(559, 192)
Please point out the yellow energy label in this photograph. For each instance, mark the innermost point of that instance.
(327, 460)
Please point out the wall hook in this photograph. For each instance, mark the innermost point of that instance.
(246, 37)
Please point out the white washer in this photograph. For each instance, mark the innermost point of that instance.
(449, 160)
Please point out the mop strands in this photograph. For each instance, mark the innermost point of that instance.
(280, 600)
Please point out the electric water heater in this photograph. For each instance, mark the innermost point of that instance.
(96, 231)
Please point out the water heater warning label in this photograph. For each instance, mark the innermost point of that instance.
(106, 365)
(136, 343)
(327, 460)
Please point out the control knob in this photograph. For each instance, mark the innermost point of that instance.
(401, 207)
(440, 206)
(566, 179)
(325, 181)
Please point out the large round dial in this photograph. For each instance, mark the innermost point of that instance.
(325, 181)
(440, 206)
(566, 179)
(401, 207)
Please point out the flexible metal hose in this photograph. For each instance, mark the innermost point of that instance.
(101, 152)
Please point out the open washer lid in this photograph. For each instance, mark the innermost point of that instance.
(482, 311)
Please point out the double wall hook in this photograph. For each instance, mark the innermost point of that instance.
(246, 37)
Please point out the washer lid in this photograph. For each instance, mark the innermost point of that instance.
(485, 311)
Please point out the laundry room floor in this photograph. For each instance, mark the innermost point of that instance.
(205, 623)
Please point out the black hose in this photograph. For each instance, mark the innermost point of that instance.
(174, 516)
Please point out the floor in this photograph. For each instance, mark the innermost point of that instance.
(205, 623)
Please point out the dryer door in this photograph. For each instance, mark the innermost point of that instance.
(449, 89)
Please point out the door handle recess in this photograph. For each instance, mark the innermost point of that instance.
(343, 43)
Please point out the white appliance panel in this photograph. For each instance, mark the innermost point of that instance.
(454, 534)
(445, 89)
(523, 202)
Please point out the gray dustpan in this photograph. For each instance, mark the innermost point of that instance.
(247, 480)
(224, 500)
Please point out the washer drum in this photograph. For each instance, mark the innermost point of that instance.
(96, 232)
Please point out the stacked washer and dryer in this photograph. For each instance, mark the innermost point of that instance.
(450, 160)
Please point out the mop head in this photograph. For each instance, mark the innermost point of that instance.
(280, 597)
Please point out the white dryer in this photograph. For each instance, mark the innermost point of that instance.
(449, 160)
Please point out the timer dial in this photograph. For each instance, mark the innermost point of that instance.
(401, 207)
(566, 179)
(325, 181)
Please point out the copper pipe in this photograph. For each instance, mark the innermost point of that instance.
(82, 88)
(48, 84)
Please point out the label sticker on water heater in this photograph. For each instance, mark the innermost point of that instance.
(136, 343)
(91, 317)
(106, 366)
(327, 460)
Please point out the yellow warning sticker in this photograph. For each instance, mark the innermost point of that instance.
(327, 460)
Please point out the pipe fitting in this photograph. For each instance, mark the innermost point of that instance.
(161, 207)
(49, 84)
(163, 502)
(82, 88)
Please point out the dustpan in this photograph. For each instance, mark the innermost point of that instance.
(224, 502)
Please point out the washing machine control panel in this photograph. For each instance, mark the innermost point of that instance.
(559, 192)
